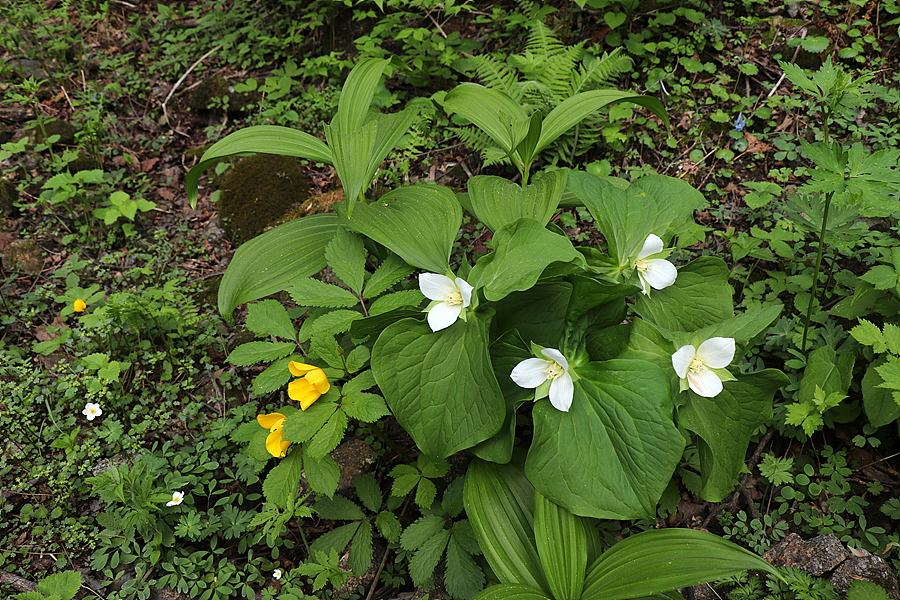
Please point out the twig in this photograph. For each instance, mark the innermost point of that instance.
(378, 574)
(178, 83)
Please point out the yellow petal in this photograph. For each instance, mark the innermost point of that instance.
(319, 380)
(276, 444)
(270, 421)
(298, 388)
(307, 400)
(299, 369)
(79, 305)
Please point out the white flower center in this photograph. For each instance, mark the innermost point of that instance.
(643, 266)
(454, 298)
(554, 370)
(696, 365)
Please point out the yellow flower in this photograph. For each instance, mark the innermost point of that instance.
(312, 384)
(275, 442)
(79, 305)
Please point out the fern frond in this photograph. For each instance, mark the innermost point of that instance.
(496, 74)
(591, 74)
(558, 74)
(542, 41)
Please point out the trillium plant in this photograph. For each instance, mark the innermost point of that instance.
(623, 353)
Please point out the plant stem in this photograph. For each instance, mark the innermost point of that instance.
(812, 294)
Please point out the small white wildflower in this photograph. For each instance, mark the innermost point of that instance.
(177, 498)
(92, 411)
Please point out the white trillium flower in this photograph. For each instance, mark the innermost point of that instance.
(276, 574)
(450, 296)
(658, 273)
(695, 365)
(92, 411)
(177, 498)
(532, 372)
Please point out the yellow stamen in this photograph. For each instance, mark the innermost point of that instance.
(454, 298)
(643, 266)
(554, 370)
(696, 365)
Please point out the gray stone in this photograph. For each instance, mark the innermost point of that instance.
(354, 457)
(815, 556)
(868, 568)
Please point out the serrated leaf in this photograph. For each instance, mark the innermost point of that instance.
(462, 577)
(892, 338)
(338, 508)
(275, 376)
(257, 446)
(301, 426)
(882, 277)
(465, 536)
(346, 254)
(868, 334)
(283, 481)
(336, 539)
(322, 474)
(357, 359)
(360, 383)
(878, 400)
(63, 585)
(805, 416)
(405, 479)
(419, 532)
(389, 272)
(452, 500)
(323, 346)
(361, 549)
(269, 317)
(254, 352)
(426, 493)
(426, 558)
(411, 298)
(245, 432)
(368, 492)
(335, 322)
(388, 526)
(365, 407)
(312, 292)
(329, 436)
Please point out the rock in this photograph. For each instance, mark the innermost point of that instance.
(84, 163)
(257, 192)
(167, 593)
(219, 87)
(23, 255)
(66, 132)
(815, 556)
(867, 568)
(8, 196)
(354, 457)
(365, 580)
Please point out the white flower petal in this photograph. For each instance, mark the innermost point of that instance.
(562, 389)
(716, 352)
(465, 289)
(554, 354)
(643, 283)
(443, 315)
(681, 360)
(436, 287)
(652, 245)
(530, 373)
(705, 383)
(661, 273)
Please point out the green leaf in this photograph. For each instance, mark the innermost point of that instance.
(269, 317)
(522, 250)
(462, 577)
(425, 493)
(64, 585)
(426, 558)
(357, 93)
(367, 491)
(419, 532)
(301, 426)
(725, 424)
(388, 526)
(364, 407)
(275, 376)
(427, 377)
(312, 292)
(510, 591)
(270, 262)
(827, 370)
(868, 334)
(419, 223)
(322, 474)
(861, 589)
(254, 352)
(336, 539)
(361, 549)
(269, 139)
(498, 201)
(499, 502)
(612, 455)
(338, 508)
(562, 545)
(490, 110)
(389, 302)
(878, 400)
(389, 272)
(658, 561)
(329, 436)
(357, 359)
(283, 482)
(537, 313)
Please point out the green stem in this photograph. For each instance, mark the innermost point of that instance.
(812, 295)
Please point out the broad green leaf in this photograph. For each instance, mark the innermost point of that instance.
(499, 502)
(612, 455)
(537, 313)
(575, 109)
(725, 424)
(338, 508)
(425, 560)
(828, 370)
(522, 250)
(268, 317)
(346, 254)
(357, 93)
(361, 549)
(878, 401)
(562, 545)
(490, 110)
(744, 327)
(301, 426)
(463, 578)
(662, 560)
(389, 272)
(352, 151)
(254, 352)
(312, 292)
(367, 491)
(699, 297)
(271, 139)
(440, 385)
(511, 591)
(419, 223)
(498, 201)
(283, 481)
(270, 262)
(329, 436)
(275, 376)
(365, 407)
(64, 585)
(322, 474)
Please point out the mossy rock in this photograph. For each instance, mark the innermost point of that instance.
(218, 87)
(23, 255)
(8, 196)
(84, 163)
(65, 130)
(259, 191)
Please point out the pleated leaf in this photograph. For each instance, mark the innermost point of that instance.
(494, 112)
(498, 201)
(562, 545)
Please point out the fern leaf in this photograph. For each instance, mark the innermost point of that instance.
(495, 73)
(594, 73)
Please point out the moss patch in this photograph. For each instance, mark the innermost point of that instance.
(258, 192)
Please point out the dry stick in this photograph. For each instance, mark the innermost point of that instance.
(178, 83)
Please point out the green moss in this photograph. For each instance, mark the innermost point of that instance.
(65, 131)
(218, 87)
(259, 191)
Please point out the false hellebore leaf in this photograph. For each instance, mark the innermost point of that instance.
(658, 273)
(450, 297)
(702, 368)
(536, 372)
